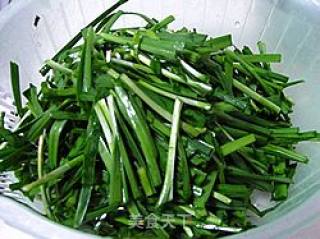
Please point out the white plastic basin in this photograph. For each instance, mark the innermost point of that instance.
(288, 27)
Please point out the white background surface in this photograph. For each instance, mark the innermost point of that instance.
(3, 3)
(5, 230)
(8, 232)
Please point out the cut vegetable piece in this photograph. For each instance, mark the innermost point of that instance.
(55, 174)
(201, 201)
(129, 111)
(123, 153)
(53, 143)
(15, 85)
(162, 24)
(56, 66)
(222, 198)
(105, 154)
(40, 161)
(87, 67)
(111, 21)
(264, 58)
(192, 71)
(262, 100)
(183, 173)
(237, 144)
(215, 44)
(188, 81)
(263, 50)
(167, 189)
(249, 68)
(162, 112)
(185, 100)
(88, 170)
(228, 79)
(42, 121)
(33, 101)
(115, 186)
(241, 173)
(285, 153)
